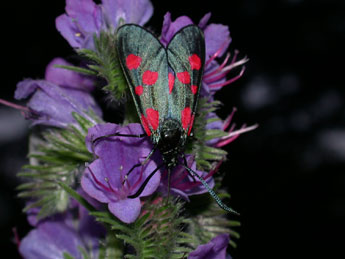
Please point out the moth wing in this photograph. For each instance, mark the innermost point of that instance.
(144, 62)
(186, 58)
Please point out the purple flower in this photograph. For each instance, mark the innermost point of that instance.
(214, 77)
(184, 185)
(58, 235)
(104, 179)
(215, 249)
(217, 36)
(227, 126)
(217, 40)
(53, 100)
(84, 18)
(130, 11)
(67, 78)
(170, 28)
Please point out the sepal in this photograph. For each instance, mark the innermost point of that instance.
(56, 155)
(207, 219)
(205, 154)
(104, 63)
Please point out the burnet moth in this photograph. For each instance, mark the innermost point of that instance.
(165, 84)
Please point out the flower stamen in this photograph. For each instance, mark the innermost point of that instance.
(230, 80)
(234, 135)
(217, 53)
(108, 189)
(23, 109)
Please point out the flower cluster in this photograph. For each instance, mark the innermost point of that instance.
(98, 168)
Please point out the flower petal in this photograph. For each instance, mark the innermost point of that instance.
(217, 37)
(153, 184)
(170, 28)
(106, 129)
(86, 13)
(131, 11)
(126, 210)
(97, 131)
(67, 78)
(68, 30)
(215, 249)
(90, 185)
(82, 21)
(182, 184)
(107, 178)
(53, 100)
(52, 104)
(204, 20)
(50, 240)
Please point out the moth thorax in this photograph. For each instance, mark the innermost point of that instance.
(171, 141)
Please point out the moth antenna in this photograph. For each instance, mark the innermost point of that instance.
(186, 165)
(212, 193)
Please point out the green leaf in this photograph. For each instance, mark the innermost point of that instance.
(208, 220)
(111, 248)
(212, 134)
(157, 233)
(205, 154)
(84, 253)
(105, 62)
(80, 70)
(76, 196)
(67, 256)
(57, 159)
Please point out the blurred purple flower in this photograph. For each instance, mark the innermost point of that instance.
(217, 40)
(104, 179)
(59, 234)
(215, 249)
(182, 184)
(84, 18)
(53, 100)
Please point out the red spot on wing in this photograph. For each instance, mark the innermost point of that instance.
(139, 90)
(171, 78)
(150, 77)
(145, 125)
(133, 61)
(186, 117)
(184, 77)
(194, 89)
(153, 118)
(191, 124)
(195, 62)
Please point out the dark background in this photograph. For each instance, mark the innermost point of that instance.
(287, 178)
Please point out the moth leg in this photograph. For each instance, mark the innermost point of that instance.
(119, 135)
(169, 173)
(142, 187)
(139, 164)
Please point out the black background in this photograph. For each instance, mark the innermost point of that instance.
(286, 178)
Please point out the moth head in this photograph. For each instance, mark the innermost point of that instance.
(172, 136)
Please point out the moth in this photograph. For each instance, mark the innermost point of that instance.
(165, 83)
